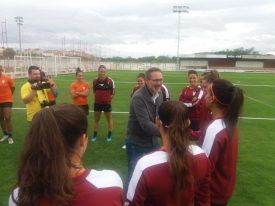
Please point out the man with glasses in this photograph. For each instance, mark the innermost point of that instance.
(142, 133)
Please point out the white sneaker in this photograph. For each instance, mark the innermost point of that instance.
(124, 147)
(10, 140)
(4, 138)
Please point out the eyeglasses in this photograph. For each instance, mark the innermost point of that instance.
(156, 80)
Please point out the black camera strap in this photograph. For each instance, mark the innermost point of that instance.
(45, 97)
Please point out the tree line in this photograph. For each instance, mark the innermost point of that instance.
(167, 59)
(10, 53)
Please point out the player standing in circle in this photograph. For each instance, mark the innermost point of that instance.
(191, 96)
(205, 118)
(80, 91)
(220, 139)
(50, 169)
(207, 79)
(7, 88)
(177, 174)
(140, 82)
(104, 91)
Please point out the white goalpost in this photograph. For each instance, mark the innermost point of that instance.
(53, 66)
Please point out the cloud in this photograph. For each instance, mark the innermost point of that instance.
(140, 27)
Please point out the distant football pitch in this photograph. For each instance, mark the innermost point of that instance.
(256, 162)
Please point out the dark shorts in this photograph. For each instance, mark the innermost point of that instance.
(6, 104)
(102, 107)
(85, 108)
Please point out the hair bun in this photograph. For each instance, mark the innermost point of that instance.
(231, 88)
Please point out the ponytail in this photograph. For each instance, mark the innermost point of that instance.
(45, 160)
(174, 117)
(233, 110)
(230, 98)
(77, 71)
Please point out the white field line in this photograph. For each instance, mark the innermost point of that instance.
(256, 118)
(260, 101)
(255, 85)
(250, 118)
(134, 82)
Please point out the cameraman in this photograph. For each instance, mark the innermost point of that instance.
(33, 95)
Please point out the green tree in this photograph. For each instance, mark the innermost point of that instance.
(9, 53)
(239, 51)
(146, 59)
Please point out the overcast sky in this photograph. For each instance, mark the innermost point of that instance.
(141, 27)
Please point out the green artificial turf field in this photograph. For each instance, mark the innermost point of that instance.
(256, 162)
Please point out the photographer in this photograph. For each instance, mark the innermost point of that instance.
(34, 93)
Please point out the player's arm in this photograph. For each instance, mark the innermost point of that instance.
(11, 85)
(85, 93)
(196, 100)
(12, 89)
(137, 191)
(73, 94)
(181, 97)
(94, 86)
(213, 150)
(112, 91)
(202, 196)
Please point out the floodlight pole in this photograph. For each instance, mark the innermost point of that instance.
(19, 21)
(179, 9)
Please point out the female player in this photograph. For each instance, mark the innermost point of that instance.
(7, 88)
(191, 96)
(205, 117)
(80, 91)
(220, 140)
(206, 79)
(50, 170)
(140, 82)
(104, 91)
(178, 174)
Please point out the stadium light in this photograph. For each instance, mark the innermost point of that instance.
(19, 21)
(179, 10)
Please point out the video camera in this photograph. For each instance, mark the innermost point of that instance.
(44, 103)
(41, 84)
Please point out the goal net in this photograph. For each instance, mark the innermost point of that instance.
(53, 66)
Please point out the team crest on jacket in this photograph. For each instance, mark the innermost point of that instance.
(126, 203)
(101, 85)
(194, 93)
(3, 81)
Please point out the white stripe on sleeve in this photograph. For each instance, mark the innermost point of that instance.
(210, 135)
(145, 162)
